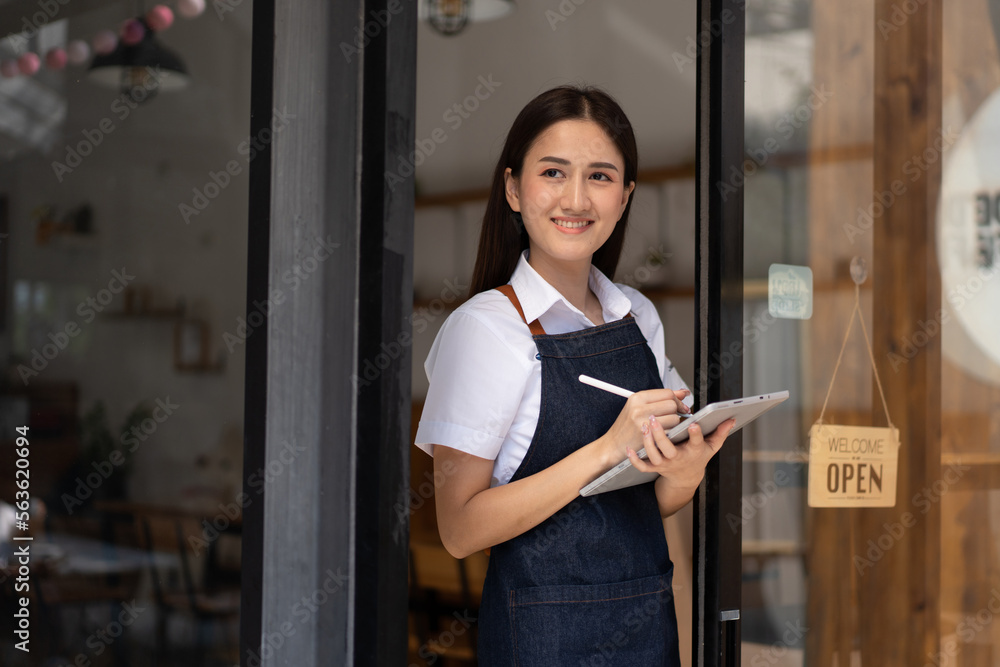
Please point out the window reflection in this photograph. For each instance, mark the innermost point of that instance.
(114, 305)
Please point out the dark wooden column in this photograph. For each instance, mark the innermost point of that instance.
(843, 55)
(718, 554)
(328, 365)
(898, 605)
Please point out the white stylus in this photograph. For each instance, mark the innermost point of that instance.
(607, 386)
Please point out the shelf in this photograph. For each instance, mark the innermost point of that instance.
(664, 293)
(774, 456)
(152, 314)
(970, 458)
(773, 548)
(201, 368)
(755, 288)
(191, 338)
(66, 239)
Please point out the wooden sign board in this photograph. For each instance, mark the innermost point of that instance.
(852, 466)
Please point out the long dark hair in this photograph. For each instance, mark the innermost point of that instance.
(502, 239)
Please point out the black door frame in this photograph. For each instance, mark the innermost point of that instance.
(325, 547)
(326, 452)
(719, 317)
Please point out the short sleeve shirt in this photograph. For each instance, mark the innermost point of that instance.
(485, 387)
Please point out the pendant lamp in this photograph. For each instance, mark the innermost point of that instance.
(449, 17)
(140, 70)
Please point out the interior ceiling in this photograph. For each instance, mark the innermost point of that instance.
(641, 52)
(634, 49)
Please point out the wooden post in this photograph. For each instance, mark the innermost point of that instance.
(899, 595)
(874, 581)
(838, 190)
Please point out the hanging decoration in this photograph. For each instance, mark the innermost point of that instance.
(853, 466)
(77, 52)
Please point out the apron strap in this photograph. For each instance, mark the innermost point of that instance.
(535, 328)
(508, 291)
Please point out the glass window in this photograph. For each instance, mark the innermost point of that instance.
(824, 90)
(124, 155)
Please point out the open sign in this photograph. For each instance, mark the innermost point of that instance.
(852, 466)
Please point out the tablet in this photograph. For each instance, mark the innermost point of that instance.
(743, 410)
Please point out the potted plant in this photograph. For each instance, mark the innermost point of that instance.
(105, 453)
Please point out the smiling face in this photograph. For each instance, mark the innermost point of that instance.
(571, 192)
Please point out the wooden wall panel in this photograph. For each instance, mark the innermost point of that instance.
(970, 559)
(900, 598)
(887, 90)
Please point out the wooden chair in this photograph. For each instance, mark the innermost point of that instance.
(183, 585)
(93, 595)
(445, 594)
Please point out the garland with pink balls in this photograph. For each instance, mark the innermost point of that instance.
(77, 52)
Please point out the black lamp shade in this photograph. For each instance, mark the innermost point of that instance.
(140, 70)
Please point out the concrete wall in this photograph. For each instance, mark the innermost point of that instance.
(136, 167)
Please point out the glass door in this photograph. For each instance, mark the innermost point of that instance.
(124, 163)
(868, 135)
(783, 95)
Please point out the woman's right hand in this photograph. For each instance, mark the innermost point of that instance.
(627, 431)
(472, 514)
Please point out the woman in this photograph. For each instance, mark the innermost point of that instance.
(515, 435)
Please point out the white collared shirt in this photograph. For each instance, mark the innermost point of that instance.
(485, 382)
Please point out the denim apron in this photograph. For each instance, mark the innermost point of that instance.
(590, 585)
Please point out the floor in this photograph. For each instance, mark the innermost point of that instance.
(96, 638)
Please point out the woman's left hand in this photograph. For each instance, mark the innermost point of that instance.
(681, 467)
